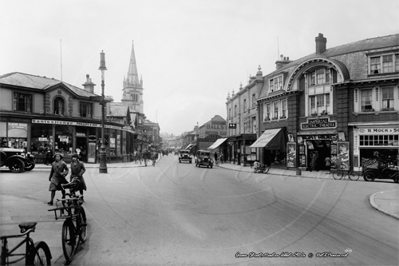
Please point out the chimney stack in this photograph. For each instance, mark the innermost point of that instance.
(89, 85)
(321, 42)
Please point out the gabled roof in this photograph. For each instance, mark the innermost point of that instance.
(40, 83)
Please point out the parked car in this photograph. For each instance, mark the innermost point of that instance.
(203, 158)
(17, 160)
(185, 156)
(381, 170)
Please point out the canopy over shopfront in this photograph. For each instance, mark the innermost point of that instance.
(217, 143)
(272, 139)
(190, 146)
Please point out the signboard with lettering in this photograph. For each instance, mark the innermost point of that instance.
(373, 131)
(318, 123)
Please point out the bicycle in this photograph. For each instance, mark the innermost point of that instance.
(339, 174)
(74, 228)
(262, 168)
(37, 253)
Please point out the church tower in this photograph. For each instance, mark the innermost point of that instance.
(133, 87)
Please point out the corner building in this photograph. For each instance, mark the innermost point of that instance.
(341, 103)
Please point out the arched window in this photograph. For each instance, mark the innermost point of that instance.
(59, 106)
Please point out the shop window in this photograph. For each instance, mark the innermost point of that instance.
(22, 102)
(41, 138)
(17, 135)
(59, 106)
(387, 98)
(86, 109)
(3, 134)
(63, 139)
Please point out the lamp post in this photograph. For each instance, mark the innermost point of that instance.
(103, 155)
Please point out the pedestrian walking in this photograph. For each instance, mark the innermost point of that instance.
(216, 158)
(77, 171)
(327, 161)
(59, 170)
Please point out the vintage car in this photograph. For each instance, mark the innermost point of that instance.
(381, 170)
(185, 156)
(16, 160)
(203, 158)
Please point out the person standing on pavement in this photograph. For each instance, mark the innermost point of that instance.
(59, 170)
(216, 158)
(327, 161)
(77, 170)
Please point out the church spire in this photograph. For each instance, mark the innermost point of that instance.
(132, 76)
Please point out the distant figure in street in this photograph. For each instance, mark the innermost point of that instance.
(221, 158)
(327, 161)
(313, 162)
(59, 170)
(216, 158)
(77, 171)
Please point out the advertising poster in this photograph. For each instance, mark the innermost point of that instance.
(343, 156)
(291, 154)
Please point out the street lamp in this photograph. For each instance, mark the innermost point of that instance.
(103, 155)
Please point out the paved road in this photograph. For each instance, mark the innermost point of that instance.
(177, 214)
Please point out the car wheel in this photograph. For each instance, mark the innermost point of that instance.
(16, 166)
(369, 176)
(396, 178)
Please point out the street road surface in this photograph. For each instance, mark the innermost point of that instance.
(178, 214)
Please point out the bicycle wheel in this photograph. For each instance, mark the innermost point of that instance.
(338, 175)
(41, 254)
(68, 240)
(354, 176)
(82, 225)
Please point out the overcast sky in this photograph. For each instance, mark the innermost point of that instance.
(189, 53)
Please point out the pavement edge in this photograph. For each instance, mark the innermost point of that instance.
(375, 206)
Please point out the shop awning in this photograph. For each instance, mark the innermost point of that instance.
(190, 146)
(273, 139)
(217, 143)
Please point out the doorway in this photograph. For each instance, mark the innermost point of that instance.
(322, 150)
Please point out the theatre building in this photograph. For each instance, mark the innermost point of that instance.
(339, 104)
(41, 114)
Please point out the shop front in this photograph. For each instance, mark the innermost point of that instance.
(272, 143)
(372, 143)
(67, 137)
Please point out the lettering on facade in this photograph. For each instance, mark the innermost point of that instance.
(75, 123)
(319, 123)
(379, 130)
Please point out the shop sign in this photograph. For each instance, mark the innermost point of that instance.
(80, 134)
(71, 123)
(381, 131)
(319, 123)
(17, 126)
(92, 138)
(42, 139)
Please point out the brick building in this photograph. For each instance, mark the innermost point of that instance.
(341, 103)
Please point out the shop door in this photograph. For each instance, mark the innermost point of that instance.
(321, 149)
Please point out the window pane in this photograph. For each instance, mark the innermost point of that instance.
(387, 63)
(375, 65)
(366, 99)
(397, 62)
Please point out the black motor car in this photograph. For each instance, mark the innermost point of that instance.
(381, 170)
(185, 156)
(17, 160)
(203, 158)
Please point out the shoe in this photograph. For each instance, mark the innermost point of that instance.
(50, 203)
